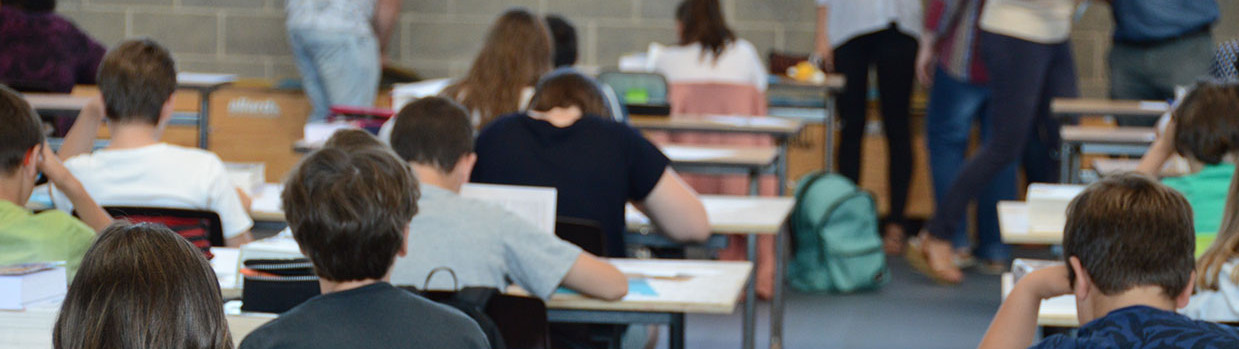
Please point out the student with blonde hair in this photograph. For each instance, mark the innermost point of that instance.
(517, 51)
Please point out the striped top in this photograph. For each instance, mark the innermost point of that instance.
(955, 24)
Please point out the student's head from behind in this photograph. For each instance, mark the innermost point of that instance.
(353, 139)
(516, 52)
(1128, 231)
(349, 210)
(435, 132)
(142, 286)
(567, 88)
(21, 137)
(1207, 122)
(564, 36)
(701, 21)
(137, 79)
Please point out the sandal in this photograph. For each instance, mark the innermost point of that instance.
(934, 259)
(893, 239)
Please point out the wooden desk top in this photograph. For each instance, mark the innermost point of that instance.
(1014, 228)
(718, 155)
(1107, 167)
(203, 80)
(719, 123)
(1109, 135)
(32, 328)
(833, 82)
(56, 101)
(1097, 106)
(682, 286)
(732, 214)
(1054, 312)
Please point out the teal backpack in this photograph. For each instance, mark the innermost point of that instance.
(835, 237)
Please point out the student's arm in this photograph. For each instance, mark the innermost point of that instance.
(675, 209)
(925, 58)
(386, 14)
(1161, 150)
(596, 278)
(89, 211)
(81, 137)
(821, 42)
(223, 199)
(1015, 325)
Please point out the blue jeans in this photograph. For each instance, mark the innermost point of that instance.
(954, 106)
(337, 68)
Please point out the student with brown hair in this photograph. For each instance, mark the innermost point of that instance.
(137, 79)
(566, 141)
(517, 51)
(349, 211)
(50, 235)
(1128, 246)
(143, 286)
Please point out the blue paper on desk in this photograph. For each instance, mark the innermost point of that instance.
(636, 286)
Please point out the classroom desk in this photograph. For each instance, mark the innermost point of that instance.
(781, 129)
(712, 287)
(834, 84)
(56, 102)
(1054, 312)
(1014, 228)
(1069, 107)
(32, 328)
(1121, 140)
(204, 84)
(1110, 167)
(750, 216)
(753, 160)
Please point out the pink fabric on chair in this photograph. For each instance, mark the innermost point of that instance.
(693, 100)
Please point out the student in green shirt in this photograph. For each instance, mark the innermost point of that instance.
(47, 236)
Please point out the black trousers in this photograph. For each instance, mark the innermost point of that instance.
(893, 54)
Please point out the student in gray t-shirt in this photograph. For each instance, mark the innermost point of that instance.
(483, 244)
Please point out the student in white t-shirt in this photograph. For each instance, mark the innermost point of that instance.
(708, 51)
(137, 79)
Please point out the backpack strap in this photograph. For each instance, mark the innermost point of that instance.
(858, 193)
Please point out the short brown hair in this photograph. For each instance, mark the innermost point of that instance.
(348, 209)
(142, 286)
(353, 138)
(1128, 230)
(136, 78)
(1207, 122)
(566, 87)
(21, 130)
(433, 131)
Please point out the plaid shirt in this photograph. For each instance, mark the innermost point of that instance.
(956, 25)
(1226, 64)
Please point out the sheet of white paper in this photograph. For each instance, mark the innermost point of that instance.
(225, 264)
(1155, 106)
(1059, 305)
(1014, 217)
(317, 133)
(534, 204)
(679, 153)
(634, 216)
(746, 120)
(204, 78)
(267, 199)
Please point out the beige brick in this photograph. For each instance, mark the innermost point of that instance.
(442, 40)
(591, 8)
(492, 7)
(132, 2)
(256, 35)
(284, 68)
(249, 69)
(1097, 17)
(425, 6)
(798, 41)
(658, 9)
(106, 27)
(180, 33)
(614, 41)
(762, 39)
(1087, 56)
(773, 11)
(222, 4)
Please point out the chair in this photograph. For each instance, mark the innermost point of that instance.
(586, 234)
(522, 321)
(201, 228)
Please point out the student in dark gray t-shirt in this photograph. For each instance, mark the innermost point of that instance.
(483, 244)
(348, 210)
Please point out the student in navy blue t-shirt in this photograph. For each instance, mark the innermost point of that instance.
(1129, 244)
(566, 140)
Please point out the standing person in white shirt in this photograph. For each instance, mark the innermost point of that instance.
(340, 47)
(1024, 44)
(137, 79)
(853, 36)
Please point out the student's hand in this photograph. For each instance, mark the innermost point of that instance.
(1047, 283)
(924, 65)
(827, 56)
(55, 170)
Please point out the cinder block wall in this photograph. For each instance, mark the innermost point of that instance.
(439, 37)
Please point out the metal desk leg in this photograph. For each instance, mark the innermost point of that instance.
(675, 339)
(780, 169)
(750, 296)
(1064, 165)
(829, 125)
(204, 112)
(776, 303)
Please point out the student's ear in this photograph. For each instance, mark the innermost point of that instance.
(1083, 282)
(1185, 294)
(30, 163)
(404, 247)
(465, 166)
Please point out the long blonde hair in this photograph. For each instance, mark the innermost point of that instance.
(1207, 129)
(517, 52)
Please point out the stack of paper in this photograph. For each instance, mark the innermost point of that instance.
(1047, 205)
(276, 247)
(534, 204)
(249, 176)
(25, 284)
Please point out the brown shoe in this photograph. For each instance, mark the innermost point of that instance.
(893, 239)
(934, 258)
